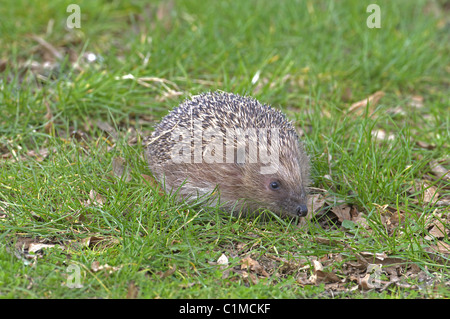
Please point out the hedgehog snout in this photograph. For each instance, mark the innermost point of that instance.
(301, 210)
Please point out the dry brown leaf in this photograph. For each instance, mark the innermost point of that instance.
(342, 212)
(3, 213)
(253, 265)
(380, 258)
(437, 229)
(430, 193)
(326, 277)
(372, 100)
(442, 202)
(347, 94)
(106, 127)
(95, 266)
(253, 278)
(3, 65)
(168, 272)
(365, 283)
(315, 203)
(425, 145)
(93, 241)
(168, 95)
(424, 192)
(321, 276)
(120, 168)
(440, 170)
(416, 101)
(133, 290)
(443, 247)
(34, 247)
(361, 220)
(163, 13)
(381, 135)
(40, 155)
(79, 135)
(223, 260)
(148, 178)
(95, 199)
(49, 117)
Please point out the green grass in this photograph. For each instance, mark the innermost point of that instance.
(315, 59)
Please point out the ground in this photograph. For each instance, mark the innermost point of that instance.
(80, 215)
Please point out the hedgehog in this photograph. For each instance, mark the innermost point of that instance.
(245, 153)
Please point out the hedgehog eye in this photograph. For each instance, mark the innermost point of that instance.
(275, 185)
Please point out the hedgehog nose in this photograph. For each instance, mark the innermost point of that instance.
(302, 210)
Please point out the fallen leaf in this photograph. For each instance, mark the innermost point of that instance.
(133, 290)
(163, 13)
(169, 94)
(3, 213)
(95, 267)
(380, 258)
(168, 272)
(437, 229)
(342, 212)
(106, 127)
(416, 101)
(148, 178)
(440, 170)
(430, 193)
(253, 278)
(95, 199)
(40, 155)
(347, 94)
(361, 220)
(120, 168)
(93, 241)
(425, 145)
(443, 247)
(3, 65)
(315, 203)
(321, 276)
(223, 260)
(79, 135)
(442, 203)
(425, 192)
(34, 247)
(371, 101)
(381, 135)
(253, 265)
(366, 282)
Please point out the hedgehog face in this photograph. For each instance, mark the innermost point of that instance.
(287, 200)
(284, 195)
